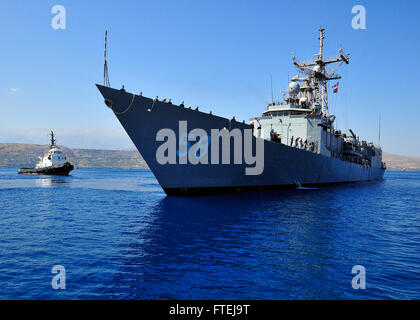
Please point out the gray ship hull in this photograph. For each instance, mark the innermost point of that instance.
(284, 166)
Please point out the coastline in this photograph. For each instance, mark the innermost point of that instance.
(15, 155)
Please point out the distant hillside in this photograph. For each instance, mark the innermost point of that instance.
(26, 155)
(401, 163)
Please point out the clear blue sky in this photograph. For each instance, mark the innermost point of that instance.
(215, 54)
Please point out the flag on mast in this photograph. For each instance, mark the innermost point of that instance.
(335, 87)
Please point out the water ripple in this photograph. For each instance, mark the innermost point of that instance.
(120, 237)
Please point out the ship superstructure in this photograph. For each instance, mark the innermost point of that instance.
(300, 144)
(303, 119)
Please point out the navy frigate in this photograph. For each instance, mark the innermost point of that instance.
(295, 140)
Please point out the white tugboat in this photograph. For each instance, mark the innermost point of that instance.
(54, 162)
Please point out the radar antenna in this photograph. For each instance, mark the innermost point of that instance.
(106, 78)
(317, 74)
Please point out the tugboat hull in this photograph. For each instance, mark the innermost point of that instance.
(56, 171)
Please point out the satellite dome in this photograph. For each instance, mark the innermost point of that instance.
(294, 88)
(317, 68)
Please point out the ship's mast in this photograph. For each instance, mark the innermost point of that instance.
(321, 43)
(317, 74)
(106, 78)
(52, 139)
(324, 95)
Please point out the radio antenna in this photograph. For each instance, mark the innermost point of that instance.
(271, 81)
(379, 130)
(106, 78)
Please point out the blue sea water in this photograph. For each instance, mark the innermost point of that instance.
(119, 237)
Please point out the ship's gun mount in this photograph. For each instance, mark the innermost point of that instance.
(352, 133)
